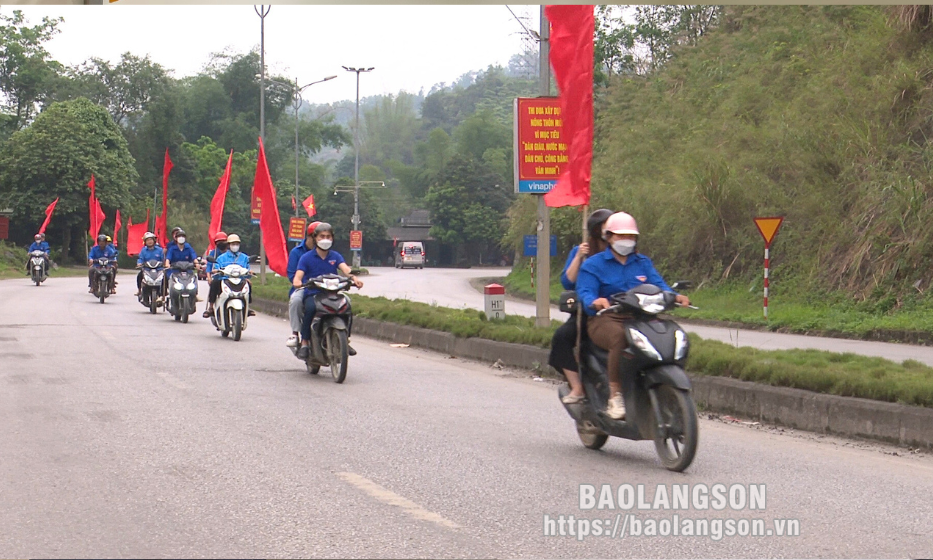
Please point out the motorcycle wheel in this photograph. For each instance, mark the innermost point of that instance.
(676, 442)
(102, 292)
(312, 369)
(153, 308)
(225, 334)
(237, 325)
(591, 437)
(337, 352)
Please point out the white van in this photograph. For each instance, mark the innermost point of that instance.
(410, 253)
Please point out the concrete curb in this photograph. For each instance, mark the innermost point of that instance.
(796, 408)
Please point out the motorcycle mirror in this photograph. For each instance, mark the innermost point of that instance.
(254, 259)
(682, 285)
(211, 260)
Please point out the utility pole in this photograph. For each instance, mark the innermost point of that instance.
(262, 12)
(543, 281)
(356, 166)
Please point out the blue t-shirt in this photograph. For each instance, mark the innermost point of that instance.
(313, 265)
(155, 254)
(39, 246)
(602, 275)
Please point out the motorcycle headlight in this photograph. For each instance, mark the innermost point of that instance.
(192, 285)
(235, 280)
(680, 348)
(642, 343)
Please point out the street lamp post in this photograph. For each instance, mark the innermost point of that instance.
(262, 12)
(356, 167)
(298, 102)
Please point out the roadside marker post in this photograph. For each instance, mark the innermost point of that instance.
(768, 228)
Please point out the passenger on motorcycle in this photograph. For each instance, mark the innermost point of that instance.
(40, 244)
(296, 309)
(565, 337)
(116, 264)
(232, 256)
(179, 251)
(100, 251)
(617, 269)
(149, 252)
(220, 247)
(315, 263)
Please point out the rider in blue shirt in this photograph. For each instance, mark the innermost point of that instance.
(315, 263)
(232, 256)
(617, 269)
(179, 251)
(40, 244)
(100, 251)
(220, 247)
(150, 252)
(296, 310)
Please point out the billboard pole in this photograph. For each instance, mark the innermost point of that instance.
(543, 289)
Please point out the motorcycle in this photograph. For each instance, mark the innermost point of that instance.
(331, 326)
(182, 291)
(150, 294)
(232, 306)
(37, 266)
(103, 278)
(655, 387)
(202, 270)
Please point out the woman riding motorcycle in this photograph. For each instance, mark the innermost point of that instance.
(617, 269)
(150, 252)
(565, 337)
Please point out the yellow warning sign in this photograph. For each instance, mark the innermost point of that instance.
(768, 228)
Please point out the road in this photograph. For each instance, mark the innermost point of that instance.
(451, 288)
(130, 435)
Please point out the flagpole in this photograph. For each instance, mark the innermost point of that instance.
(543, 292)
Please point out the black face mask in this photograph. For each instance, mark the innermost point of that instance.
(221, 248)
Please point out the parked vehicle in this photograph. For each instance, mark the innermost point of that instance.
(410, 254)
(150, 292)
(655, 387)
(37, 266)
(331, 327)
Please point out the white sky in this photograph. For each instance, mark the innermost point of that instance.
(410, 46)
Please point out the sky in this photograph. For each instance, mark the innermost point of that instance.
(410, 47)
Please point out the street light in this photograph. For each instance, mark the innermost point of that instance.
(356, 167)
(262, 12)
(297, 102)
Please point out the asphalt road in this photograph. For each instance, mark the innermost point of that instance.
(130, 435)
(451, 288)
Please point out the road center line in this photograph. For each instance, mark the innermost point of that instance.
(391, 498)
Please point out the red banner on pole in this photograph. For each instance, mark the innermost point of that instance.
(356, 240)
(217, 204)
(134, 238)
(308, 203)
(48, 215)
(540, 147)
(272, 235)
(162, 221)
(117, 226)
(296, 229)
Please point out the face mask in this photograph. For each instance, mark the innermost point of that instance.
(235, 247)
(181, 240)
(221, 247)
(624, 246)
(325, 243)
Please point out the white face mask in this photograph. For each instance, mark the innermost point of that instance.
(235, 247)
(623, 246)
(325, 243)
(181, 240)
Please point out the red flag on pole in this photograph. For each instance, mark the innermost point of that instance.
(309, 206)
(217, 203)
(117, 226)
(162, 221)
(269, 221)
(294, 204)
(92, 207)
(98, 220)
(134, 238)
(48, 215)
(571, 46)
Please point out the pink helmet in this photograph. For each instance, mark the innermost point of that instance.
(621, 223)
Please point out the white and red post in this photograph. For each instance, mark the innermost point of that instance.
(767, 266)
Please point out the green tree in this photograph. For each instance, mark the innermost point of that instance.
(26, 71)
(55, 157)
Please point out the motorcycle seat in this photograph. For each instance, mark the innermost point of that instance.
(597, 358)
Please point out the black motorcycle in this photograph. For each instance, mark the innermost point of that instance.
(150, 293)
(103, 277)
(182, 291)
(655, 387)
(331, 326)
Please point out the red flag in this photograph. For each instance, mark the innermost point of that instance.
(269, 221)
(134, 238)
(91, 207)
(162, 221)
(217, 204)
(309, 206)
(48, 215)
(294, 204)
(116, 230)
(97, 220)
(571, 45)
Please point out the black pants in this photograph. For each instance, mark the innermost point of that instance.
(92, 274)
(565, 338)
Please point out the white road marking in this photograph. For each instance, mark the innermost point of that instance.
(391, 498)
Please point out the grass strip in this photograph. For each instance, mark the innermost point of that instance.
(849, 375)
